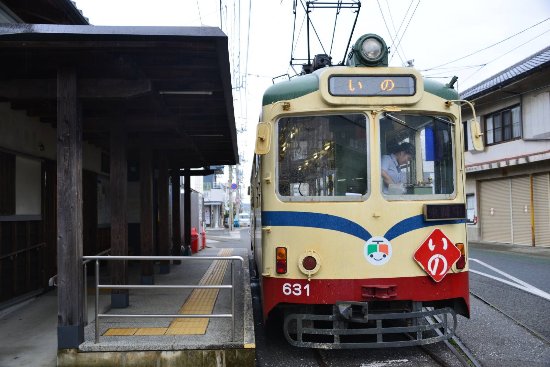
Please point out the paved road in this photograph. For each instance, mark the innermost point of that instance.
(529, 267)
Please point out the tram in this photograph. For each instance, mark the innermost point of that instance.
(358, 206)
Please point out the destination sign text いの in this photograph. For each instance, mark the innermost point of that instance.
(372, 85)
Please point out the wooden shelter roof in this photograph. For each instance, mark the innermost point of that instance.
(170, 86)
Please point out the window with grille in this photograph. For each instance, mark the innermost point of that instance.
(503, 126)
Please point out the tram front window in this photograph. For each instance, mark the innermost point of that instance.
(323, 156)
(417, 156)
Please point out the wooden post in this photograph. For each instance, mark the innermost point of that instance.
(146, 210)
(119, 221)
(187, 211)
(176, 218)
(164, 229)
(70, 292)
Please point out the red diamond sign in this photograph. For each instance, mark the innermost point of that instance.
(437, 255)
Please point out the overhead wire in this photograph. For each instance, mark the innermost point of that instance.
(387, 27)
(504, 54)
(407, 27)
(403, 21)
(246, 57)
(199, 9)
(490, 46)
(394, 29)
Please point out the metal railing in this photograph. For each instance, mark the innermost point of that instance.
(99, 286)
(52, 282)
(85, 265)
(16, 253)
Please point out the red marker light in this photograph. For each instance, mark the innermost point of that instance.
(309, 262)
(461, 262)
(280, 262)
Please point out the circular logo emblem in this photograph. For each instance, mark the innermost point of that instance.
(378, 250)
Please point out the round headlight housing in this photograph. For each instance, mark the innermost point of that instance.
(372, 49)
(369, 50)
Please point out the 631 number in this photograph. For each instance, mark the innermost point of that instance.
(295, 289)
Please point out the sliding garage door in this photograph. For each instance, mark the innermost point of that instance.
(496, 215)
(541, 189)
(521, 210)
(509, 213)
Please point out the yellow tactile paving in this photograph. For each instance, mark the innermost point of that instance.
(120, 332)
(200, 301)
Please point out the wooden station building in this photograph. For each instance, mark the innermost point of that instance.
(94, 120)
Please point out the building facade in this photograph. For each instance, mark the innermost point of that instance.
(214, 202)
(508, 183)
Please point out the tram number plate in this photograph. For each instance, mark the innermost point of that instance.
(295, 289)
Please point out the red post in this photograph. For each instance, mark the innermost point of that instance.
(194, 240)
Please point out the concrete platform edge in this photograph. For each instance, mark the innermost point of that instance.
(180, 358)
(216, 354)
(248, 332)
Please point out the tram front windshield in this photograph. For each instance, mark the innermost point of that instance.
(323, 156)
(327, 157)
(417, 150)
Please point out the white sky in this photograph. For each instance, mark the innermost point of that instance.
(440, 31)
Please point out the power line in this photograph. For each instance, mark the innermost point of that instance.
(388, 28)
(394, 29)
(488, 47)
(247, 49)
(405, 31)
(403, 21)
(199, 9)
(504, 54)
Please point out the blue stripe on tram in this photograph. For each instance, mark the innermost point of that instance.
(314, 220)
(416, 222)
(336, 223)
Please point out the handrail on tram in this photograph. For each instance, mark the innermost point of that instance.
(99, 286)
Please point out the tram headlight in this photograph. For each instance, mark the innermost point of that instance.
(371, 49)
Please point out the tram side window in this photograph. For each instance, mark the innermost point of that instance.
(417, 155)
(323, 156)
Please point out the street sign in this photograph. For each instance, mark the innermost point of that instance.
(436, 255)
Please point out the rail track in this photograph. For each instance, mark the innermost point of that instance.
(461, 353)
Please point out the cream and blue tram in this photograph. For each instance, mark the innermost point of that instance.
(346, 259)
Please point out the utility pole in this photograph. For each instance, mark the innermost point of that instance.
(238, 181)
(230, 219)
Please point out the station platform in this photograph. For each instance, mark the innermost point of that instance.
(31, 324)
(175, 341)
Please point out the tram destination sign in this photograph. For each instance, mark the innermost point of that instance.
(372, 85)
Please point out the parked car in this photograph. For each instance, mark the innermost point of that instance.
(244, 220)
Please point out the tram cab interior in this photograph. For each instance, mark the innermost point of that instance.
(328, 156)
(431, 171)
